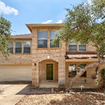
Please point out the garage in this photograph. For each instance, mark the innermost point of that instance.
(15, 73)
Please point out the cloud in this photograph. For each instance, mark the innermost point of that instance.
(60, 21)
(7, 9)
(46, 22)
(89, 1)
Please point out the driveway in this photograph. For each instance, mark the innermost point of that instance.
(10, 94)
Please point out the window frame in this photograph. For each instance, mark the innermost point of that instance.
(12, 47)
(79, 47)
(77, 70)
(73, 45)
(68, 70)
(21, 47)
(52, 39)
(40, 39)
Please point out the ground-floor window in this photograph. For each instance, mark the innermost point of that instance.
(75, 68)
(72, 70)
(80, 67)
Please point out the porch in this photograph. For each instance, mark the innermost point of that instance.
(54, 84)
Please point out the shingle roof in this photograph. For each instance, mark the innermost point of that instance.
(22, 36)
(80, 55)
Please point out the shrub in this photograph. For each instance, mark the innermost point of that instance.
(103, 76)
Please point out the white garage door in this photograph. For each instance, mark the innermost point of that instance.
(15, 73)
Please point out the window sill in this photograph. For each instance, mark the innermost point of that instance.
(20, 53)
(48, 48)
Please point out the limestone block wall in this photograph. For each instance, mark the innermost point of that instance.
(91, 48)
(39, 54)
(42, 70)
(16, 59)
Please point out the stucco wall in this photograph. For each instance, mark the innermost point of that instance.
(15, 73)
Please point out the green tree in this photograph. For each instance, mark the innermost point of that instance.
(85, 23)
(5, 35)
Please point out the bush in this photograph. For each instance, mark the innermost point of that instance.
(103, 76)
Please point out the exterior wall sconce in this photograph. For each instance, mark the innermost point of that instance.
(48, 57)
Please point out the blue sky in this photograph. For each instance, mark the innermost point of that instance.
(21, 12)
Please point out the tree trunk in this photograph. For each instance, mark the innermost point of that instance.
(82, 71)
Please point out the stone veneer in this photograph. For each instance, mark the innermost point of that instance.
(39, 55)
(16, 59)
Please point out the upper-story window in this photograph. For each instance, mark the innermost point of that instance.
(18, 47)
(42, 39)
(52, 36)
(27, 47)
(10, 47)
(72, 46)
(82, 47)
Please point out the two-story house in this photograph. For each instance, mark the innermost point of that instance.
(34, 58)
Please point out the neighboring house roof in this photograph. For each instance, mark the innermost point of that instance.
(22, 36)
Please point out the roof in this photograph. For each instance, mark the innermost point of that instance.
(80, 55)
(22, 36)
(30, 26)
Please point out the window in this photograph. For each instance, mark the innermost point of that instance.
(10, 47)
(27, 47)
(80, 67)
(42, 39)
(52, 36)
(82, 47)
(18, 47)
(72, 46)
(72, 70)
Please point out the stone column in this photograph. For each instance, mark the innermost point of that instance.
(35, 75)
(35, 63)
(61, 64)
(61, 72)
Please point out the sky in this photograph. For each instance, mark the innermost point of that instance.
(21, 12)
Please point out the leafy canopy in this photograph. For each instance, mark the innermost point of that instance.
(5, 34)
(85, 23)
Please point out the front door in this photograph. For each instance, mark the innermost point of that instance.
(49, 71)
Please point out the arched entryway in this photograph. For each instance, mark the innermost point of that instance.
(48, 73)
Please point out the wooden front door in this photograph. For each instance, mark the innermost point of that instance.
(49, 71)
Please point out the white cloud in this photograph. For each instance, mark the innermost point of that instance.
(46, 22)
(60, 21)
(89, 2)
(7, 9)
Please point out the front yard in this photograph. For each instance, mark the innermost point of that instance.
(75, 97)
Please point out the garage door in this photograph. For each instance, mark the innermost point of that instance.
(15, 73)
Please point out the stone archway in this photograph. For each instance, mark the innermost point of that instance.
(45, 72)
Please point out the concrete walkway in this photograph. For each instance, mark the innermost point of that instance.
(10, 94)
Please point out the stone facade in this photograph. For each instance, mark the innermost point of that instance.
(39, 57)
(16, 59)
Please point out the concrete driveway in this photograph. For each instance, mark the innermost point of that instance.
(10, 94)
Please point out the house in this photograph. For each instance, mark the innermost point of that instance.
(34, 58)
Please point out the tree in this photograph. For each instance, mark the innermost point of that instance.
(5, 34)
(85, 23)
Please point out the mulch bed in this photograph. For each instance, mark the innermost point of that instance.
(75, 97)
